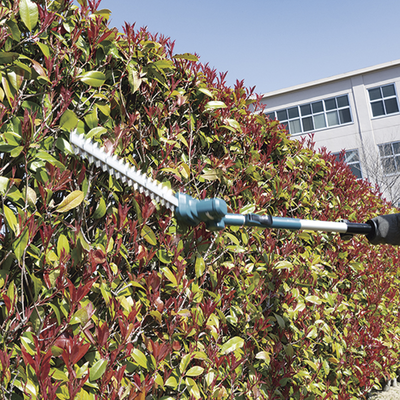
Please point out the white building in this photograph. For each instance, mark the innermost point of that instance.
(356, 111)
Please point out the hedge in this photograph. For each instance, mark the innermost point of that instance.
(104, 296)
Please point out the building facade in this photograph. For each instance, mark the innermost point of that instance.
(358, 112)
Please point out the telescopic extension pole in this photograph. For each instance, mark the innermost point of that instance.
(384, 229)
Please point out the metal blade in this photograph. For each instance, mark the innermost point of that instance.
(123, 171)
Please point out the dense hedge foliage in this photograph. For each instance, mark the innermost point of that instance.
(103, 296)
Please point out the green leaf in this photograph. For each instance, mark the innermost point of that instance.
(56, 312)
(186, 56)
(68, 120)
(280, 320)
(16, 151)
(11, 220)
(43, 155)
(232, 345)
(139, 358)
(93, 78)
(62, 244)
(284, 265)
(64, 146)
(71, 201)
(28, 343)
(193, 388)
(211, 175)
(313, 299)
(171, 382)
(164, 256)
(97, 370)
(200, 267)
(195, 371)
(44, 48)
(148, 235)
(81, 371)
(37, 285)
(80, 317)
(20, 244)
(250, 208)
(15, 32)
(214, 104)
(100, 210)
(263, 355)
(184, 363)
(7, 57)
(104, 12)
(163, 64)
(206, 91)
(97, 131)
(169, 275)
(29, 13)
(104, 108)
(134, 80)
(233, 123)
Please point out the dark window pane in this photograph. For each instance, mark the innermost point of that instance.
(388, 165)
(305, 109)
(391, 106)
(330, 104)
(396, 147)
(270, 115)
(397, 160)
(281, 115)
(377, 108)
(340, 157)
(308, 124)
(293, 112)
(342, 101)
(356, 170)
(317, 107)
(345, 116)
(385, 150)
(388, 91)
(375, 94)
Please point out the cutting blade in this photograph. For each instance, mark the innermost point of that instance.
(123, 171)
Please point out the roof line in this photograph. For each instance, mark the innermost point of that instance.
(332, 78)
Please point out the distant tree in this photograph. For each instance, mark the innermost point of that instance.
(104, 296)
(379, 166)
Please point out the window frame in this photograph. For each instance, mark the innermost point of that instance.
(351, 164)
(393, 156)
(383, 100)
(316, 115)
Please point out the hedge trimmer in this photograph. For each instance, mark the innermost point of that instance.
(214, 212)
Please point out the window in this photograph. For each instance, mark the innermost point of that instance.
(314, 116)
(390, 157)
(383, 100)
(352, 159)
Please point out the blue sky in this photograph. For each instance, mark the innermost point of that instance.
(272, 44)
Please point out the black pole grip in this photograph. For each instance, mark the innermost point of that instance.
(386, 229)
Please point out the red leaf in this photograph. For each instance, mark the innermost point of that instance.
(78, 351)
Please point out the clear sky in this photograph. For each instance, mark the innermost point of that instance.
(272, 44)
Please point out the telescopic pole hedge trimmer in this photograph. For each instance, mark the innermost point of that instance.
(214, 212)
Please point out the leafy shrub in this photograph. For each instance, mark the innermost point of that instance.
(103, 295)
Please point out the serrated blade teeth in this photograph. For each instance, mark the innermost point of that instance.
(122, 170)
